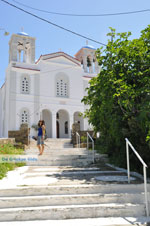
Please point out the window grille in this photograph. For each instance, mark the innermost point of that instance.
(24, 116)
(25, 85)
(62, 88)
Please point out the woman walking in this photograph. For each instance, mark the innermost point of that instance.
(40, 138)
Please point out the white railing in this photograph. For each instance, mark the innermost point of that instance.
(78, 139)
(144, 171)
(88, 136)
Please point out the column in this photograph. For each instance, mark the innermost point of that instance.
(13, 53)
(70, 124)
(91, 67)
(19, 52)
(85, 63)
(53, 124)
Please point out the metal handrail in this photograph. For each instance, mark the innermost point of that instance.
(88, 136)
(78, 139)
(144, 171)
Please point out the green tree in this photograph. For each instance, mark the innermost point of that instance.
(119, 97)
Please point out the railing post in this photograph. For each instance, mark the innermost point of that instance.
(88, 136)
(87, 141)
(93, 152)
(145, 188)
(79, 140)
(144, 171)
(128, 163)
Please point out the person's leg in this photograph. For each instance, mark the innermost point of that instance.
(39, 145)
(42, 149)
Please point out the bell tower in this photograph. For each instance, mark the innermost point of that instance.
(22, 48)
(86, 55)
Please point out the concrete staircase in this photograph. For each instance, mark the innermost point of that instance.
(71, 194)
(60, 152)
(71, 202)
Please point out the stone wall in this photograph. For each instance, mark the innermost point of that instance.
(76, 128)
(7, 140)
(22, 135)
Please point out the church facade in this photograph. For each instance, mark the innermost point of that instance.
(50, 88)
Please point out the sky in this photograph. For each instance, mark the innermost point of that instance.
(51, 39)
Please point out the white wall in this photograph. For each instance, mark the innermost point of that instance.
(7, 110)
(47, 117)
(3, 110)
(79, 119)
(43, 94)
(48, 75)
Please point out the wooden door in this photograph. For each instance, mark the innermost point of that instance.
(57, 127)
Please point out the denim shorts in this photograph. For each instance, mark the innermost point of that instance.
(40, 140)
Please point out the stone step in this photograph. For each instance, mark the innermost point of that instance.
(54, 143)
(72, 212)
(62, 153)
(62, 157)
(31, 178)
(49, 146)
(67, 152)
(73, 189)
(56, 140)
(67, 155)
(62, 169)
(75, 162)
(75, 199)
(54, 146)
(93, 172)
(62, 149)
(76, 173)
(110, 221)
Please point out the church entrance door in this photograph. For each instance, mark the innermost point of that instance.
(57, 129)
(62, 124)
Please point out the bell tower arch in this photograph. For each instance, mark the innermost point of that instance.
(22, 48)
(86, 55)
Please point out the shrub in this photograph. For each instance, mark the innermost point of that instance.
(11, 150)
(83, 139)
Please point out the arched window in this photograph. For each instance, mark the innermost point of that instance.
(24, 116)
(62, 86)
(25, 84)
(20, 52)
(66, 127)
(88, 64)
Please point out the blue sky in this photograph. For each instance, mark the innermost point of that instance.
(51, 39)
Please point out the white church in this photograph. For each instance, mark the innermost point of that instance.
(50, 88)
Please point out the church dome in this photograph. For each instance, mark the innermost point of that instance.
(88, 47)
(22, 33)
